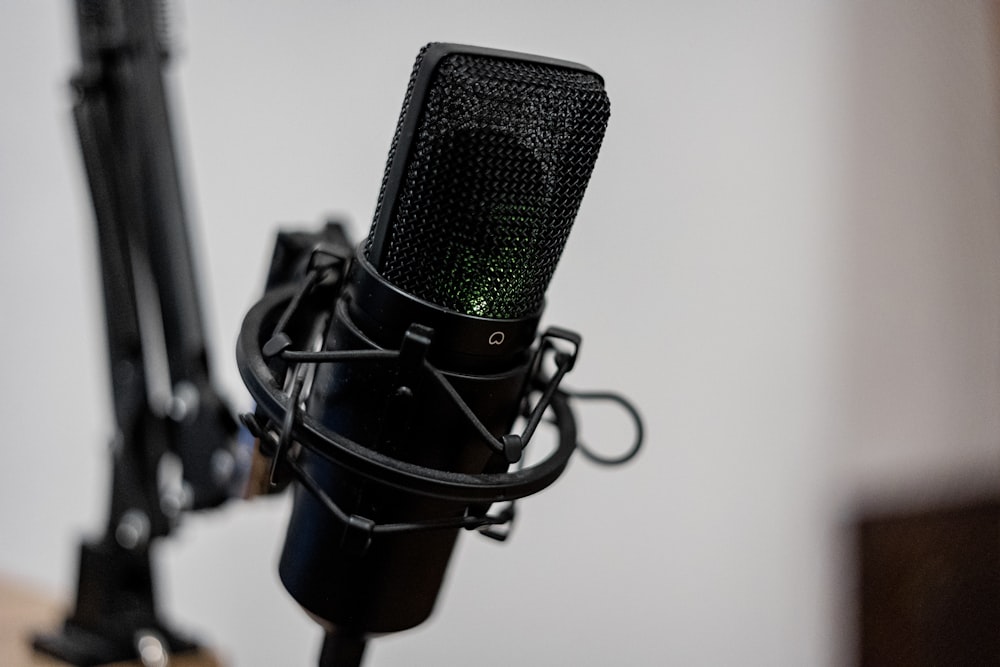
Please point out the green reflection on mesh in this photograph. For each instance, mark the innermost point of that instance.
(490, 282)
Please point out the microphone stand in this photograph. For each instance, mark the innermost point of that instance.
(167, 414)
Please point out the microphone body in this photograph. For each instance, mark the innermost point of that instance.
(390, 583)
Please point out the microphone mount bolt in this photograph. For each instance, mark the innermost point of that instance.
(133, 530)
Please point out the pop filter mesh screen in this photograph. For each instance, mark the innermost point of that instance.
(495, 172)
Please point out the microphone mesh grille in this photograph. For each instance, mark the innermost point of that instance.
(496, 171)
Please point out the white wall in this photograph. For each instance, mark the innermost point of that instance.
(787, 256)
(921, 265)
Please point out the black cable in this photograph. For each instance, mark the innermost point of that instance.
(629, 408)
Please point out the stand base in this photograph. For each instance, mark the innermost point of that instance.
(78, 646)
(24, 609)
(115, 618)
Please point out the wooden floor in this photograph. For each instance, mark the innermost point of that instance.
(24, 611)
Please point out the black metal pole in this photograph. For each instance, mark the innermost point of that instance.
(342, 649)
(154, 335)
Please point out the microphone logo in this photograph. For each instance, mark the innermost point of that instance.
(496, 338)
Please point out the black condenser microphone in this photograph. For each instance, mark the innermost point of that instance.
(417, 353)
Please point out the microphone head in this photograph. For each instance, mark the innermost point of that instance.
(486, 172)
